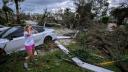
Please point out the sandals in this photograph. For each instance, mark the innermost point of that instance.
(26, 66)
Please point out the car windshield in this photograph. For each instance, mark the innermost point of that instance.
(39, 28)
(3, 32)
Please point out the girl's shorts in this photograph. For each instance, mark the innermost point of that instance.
(29, 48)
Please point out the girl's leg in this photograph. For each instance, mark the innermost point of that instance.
(29, 54)
(33, 51)
(28, 58)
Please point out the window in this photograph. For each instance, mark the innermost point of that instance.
(38, 28)
(18, 32)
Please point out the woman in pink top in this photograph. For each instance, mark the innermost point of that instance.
(29, 45)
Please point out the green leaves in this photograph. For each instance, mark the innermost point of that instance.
(105, 19)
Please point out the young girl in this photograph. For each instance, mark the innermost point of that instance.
(29, 45)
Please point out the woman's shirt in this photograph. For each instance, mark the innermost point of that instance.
(28, 39)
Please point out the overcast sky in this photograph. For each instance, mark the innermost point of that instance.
(37, 6)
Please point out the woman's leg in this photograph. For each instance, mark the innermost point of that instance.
(29, 52)
(28, 57)
(33, 51)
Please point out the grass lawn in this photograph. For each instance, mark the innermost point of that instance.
(50, 62)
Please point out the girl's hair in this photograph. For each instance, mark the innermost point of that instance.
(26, 27)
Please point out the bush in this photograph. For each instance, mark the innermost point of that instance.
(83, 54)
(81, 38)
(105, 19)
(82, 50)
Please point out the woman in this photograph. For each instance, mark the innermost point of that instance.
(29, 45)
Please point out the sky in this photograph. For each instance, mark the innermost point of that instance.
(115, 3)
(38, 6)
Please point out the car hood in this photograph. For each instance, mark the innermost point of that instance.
(3, 42)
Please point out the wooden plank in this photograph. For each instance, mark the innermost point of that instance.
(89, 66)
(65, 50)
(64, 37)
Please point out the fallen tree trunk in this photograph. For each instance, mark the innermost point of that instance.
(122, 66)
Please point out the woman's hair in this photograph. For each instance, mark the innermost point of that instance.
(26, 27)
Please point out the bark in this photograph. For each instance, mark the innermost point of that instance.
(122, 66)
(120, 20)
(17, 11)
(6, 14)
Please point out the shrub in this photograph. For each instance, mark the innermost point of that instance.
(82, 50)
(105, 19)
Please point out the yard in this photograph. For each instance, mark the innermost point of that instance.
(95, 31)
(50, 62)
(55, 60)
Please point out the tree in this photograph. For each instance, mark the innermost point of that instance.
(120, 13)
(43, 18)
(68, 18)
(6, 9)
(111, 45)
(105, 19)
(17, 9)
(100, 7)
(88, 9)
(2, 18)
(84, 12)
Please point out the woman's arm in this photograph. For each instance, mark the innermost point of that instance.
(35, 31)
(26, 34)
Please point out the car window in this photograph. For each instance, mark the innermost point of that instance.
(38, 28)
(9, 32)
(16, 33)
(3, 32)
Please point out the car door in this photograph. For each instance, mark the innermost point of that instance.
(17, 41)
(14, 45)
(38, 37)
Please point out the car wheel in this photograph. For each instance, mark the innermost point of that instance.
(2, 56)
(48, 43)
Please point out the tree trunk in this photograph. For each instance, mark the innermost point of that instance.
(17, 11)
(122, 66)
(120, 20)
(6, 14)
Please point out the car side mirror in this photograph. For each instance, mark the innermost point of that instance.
(11, 38)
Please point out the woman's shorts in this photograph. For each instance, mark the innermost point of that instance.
(29, 48)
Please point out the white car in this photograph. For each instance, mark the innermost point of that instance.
(12, 39)
(3, 28)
